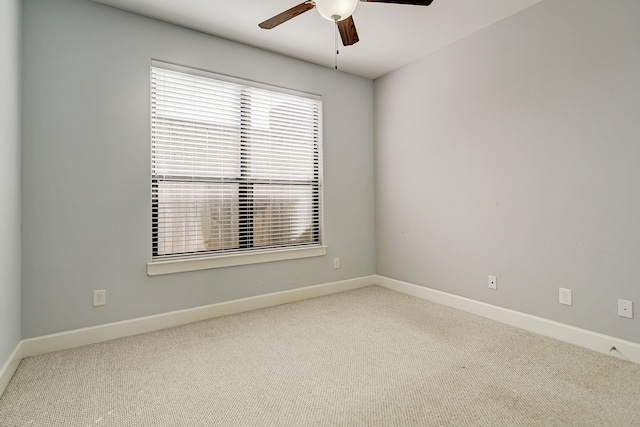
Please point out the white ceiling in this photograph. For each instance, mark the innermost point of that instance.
(391, 35)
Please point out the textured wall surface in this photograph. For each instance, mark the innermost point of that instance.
(514, 152)
(10, 252)
(86, 185)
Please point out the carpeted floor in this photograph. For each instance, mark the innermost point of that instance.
(369, 357)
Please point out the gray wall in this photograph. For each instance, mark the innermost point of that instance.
(516, 152)
(86, 201)
(10, 252)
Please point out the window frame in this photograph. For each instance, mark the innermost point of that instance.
(165, 264)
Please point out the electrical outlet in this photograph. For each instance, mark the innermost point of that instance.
(564, 296)
(336, 263)
(625, 308)
(99, 297)
(493, 282)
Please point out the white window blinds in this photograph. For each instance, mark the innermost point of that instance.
(235, 166)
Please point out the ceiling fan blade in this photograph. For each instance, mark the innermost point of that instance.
(348, 31)
(286, 15)
(414, 2)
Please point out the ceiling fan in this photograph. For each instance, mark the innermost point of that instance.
(338, 11)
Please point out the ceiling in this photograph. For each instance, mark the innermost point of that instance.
(391, 35)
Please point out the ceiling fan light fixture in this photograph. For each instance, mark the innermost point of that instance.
(336, 10)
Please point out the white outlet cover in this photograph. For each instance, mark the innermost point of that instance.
(564, 296)
(99, 298)
(493, 282)
(625, 308)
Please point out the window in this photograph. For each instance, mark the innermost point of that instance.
(235, 166)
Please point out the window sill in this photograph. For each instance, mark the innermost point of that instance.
(194, 264)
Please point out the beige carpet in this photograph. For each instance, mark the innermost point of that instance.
(369, 357)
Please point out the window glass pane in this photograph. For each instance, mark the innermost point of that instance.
(195, 217)
(282, 136)
(283, 214)
(195, 125)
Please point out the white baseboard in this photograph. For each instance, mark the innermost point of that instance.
(64, 340)
(91, 335)
(9, 368)
(601, 343)
(110, 331)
